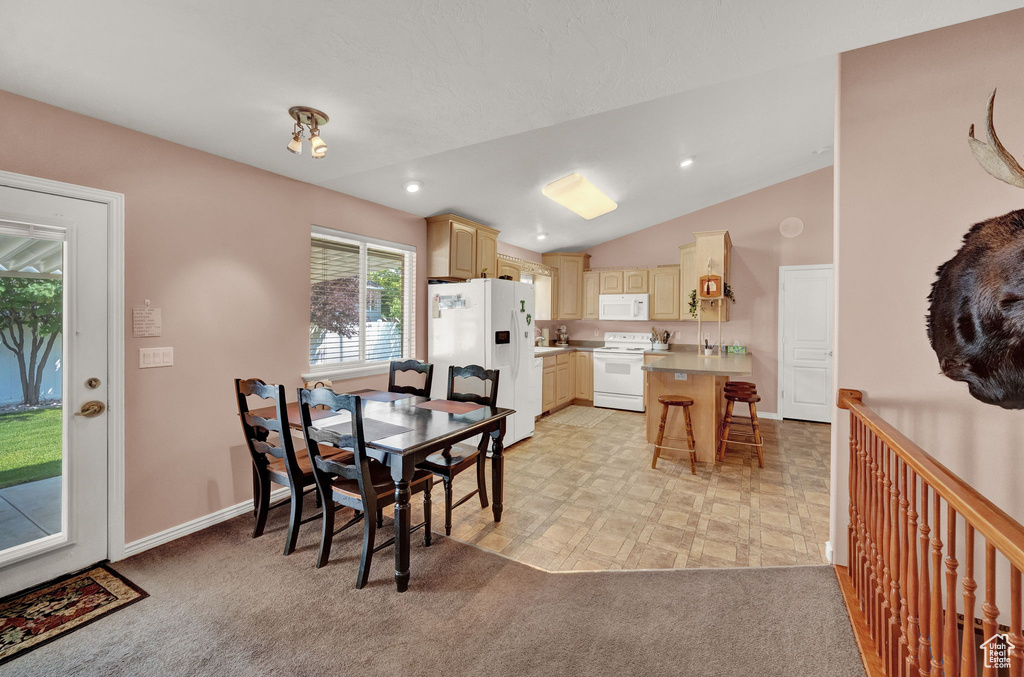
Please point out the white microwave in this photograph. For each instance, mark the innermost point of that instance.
(623, 307)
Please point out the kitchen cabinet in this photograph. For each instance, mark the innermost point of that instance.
(510, 269)
(564, 381)
(591, 292)
(459, 249)
(664, 285)
(584, 375)
(611, 282)
(548, 385)
(713, 245)
(567, 284)
(486, 252)
(635, 282)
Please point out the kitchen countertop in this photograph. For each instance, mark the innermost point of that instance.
(544, 351)
(691, 362)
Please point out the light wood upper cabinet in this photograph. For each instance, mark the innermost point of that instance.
(664, 284)
(611, 282)
(458, 248)
(510, 269)
(713, 245)
(635, 282)
(591, 292)
(567, 284)
(486, 252)
(463, 251)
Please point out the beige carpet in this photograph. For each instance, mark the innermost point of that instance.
(579, 417)
(226, 605)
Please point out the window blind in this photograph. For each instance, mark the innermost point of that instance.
(362, 301)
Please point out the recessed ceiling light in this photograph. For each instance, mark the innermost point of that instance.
(541, 236)
(412, 186)
(579, 195)
(687, 161)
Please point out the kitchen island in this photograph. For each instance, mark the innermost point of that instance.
(691, 374)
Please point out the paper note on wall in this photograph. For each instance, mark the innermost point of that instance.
(146, 322)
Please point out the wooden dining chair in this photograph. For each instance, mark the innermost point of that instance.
(424, 368)
(360, 483)
(270, 463)
(450, 462)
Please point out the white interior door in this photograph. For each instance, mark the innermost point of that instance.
(805, 340)
(53, 481)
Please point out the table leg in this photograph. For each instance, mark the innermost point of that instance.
(497, 469)
(402, 524)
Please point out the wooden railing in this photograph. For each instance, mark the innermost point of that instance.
(908, 588)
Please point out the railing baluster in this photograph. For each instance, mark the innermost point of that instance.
(951, 655)
(924, 658)
(989, 610)
(936, 620)
(902, 580)
(1016, 636)
(969, 647)
(913, 624)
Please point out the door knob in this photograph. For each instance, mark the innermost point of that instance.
(91, 409)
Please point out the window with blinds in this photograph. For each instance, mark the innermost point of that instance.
(362, 300)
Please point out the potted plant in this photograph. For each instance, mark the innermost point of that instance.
(726, 292)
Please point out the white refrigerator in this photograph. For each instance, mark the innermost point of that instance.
(487, 322)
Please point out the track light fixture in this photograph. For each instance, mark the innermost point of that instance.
(308, 119)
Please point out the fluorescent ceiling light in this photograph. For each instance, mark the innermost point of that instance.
(687, 161)
(579, 195)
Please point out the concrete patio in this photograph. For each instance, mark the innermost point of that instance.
(29, 511)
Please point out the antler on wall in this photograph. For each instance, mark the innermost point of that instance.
(992, 156)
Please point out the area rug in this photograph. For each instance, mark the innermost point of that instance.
(579, 417)
(31, 619)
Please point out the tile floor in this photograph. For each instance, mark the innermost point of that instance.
(586, 498)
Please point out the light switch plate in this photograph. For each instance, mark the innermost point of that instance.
(155, 357)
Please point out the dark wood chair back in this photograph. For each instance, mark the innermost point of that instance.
(327, 469)
(257, 429)
(424, 368)
(488, 376)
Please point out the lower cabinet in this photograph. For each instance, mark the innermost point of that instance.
(567, 377)
(584, 375)
(548, 388)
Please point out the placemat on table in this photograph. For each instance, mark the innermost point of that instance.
(450, 406)
(381, 395)
(372, 428)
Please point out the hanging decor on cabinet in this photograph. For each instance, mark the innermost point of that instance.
(975, 317)
(726, 293)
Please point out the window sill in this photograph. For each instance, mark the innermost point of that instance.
(341, 373)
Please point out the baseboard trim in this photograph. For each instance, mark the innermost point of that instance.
(769, 414)
(198, 524)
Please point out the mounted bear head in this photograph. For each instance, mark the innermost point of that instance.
(976, 313)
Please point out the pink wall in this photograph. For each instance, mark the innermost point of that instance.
(518, 252)
(758, 250)
(223, 249)
(908, 189)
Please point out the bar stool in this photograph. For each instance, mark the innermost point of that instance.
(676, 401)
(742, 391)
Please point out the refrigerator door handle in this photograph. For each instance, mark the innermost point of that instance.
(515, 362)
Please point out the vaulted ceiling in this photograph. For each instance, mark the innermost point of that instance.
(483, 101)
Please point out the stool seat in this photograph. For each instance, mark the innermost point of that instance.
(675, 400)
(748, 398)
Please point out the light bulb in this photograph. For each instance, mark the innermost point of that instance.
(541, 236)
(317, 146)
(412, 186)
(295, 145)
(686, 162)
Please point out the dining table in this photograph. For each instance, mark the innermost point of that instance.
(400, 431)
